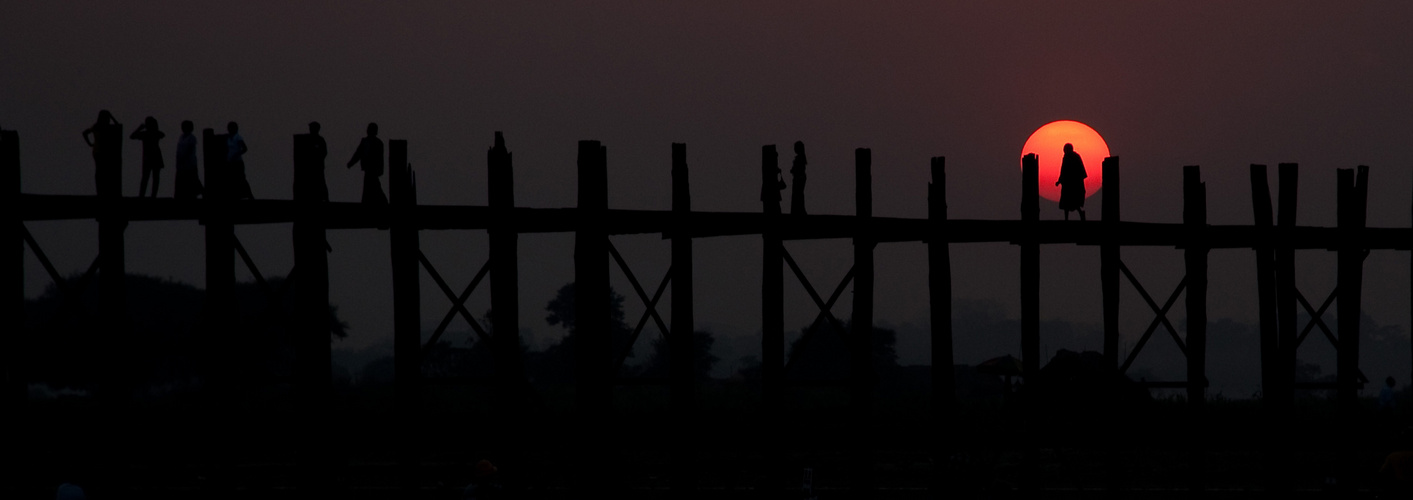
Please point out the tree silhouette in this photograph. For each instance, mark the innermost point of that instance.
(821, 351)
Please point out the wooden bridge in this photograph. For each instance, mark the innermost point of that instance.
(1273, 240)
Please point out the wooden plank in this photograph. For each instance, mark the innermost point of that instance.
(1263, 221)
(1352, 210)
(772, 320)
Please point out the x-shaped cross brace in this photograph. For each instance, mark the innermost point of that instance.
(824, 307)
(458, 302)
(650, 304)
(1161, 316)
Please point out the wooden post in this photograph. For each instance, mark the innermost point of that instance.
(1352, 196)
(1263, 221)
(939, 283)
(862, 371)
(220, 239)
(772, 322)
(1109, 262)
(505, 295)
(404, 248)
(1194, 216)
(1030, 270)
(593, 344)
(772, 289)
(112, 267)
(682, 338)
(312, 362)
(1286, 305)
(14, 377)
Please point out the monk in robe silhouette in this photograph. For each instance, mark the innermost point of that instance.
(797, 174)
(1071, 183)
(370, 154)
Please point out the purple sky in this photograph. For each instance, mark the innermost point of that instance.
(1166, 83)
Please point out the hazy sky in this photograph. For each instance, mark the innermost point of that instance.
(1167, 84)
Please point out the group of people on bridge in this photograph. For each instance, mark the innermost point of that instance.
(188, 183)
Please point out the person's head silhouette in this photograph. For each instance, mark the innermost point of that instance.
(187, 126)
(372, 130)
(232, 128)
(105, 117)
(314, 128)
(1069, 148)
(150, 123)
(799, 147)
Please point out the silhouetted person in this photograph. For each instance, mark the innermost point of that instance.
(769, 192)
(797, 174)
(188, 184)
(319, 150)
(1071, 183)
(370, 154)
(235, 163)
(149, 134)
(94, 136)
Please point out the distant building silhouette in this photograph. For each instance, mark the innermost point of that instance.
(152, 165)
(370, 155)
(797, 175)
(235, 163)
(1071, 183)
(188, 183)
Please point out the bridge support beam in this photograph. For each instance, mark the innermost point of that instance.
(312, 363)
(862, 372)
(14, 377)
(682, 337)
(1109, 261)
(404, 248)
(1352, 196)
(1194, 216)
(593, 346)
(939, 283)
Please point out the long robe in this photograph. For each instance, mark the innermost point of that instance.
(1072, 177)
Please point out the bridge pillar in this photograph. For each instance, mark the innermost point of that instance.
(593, 344)
(312, 364)
(1109, 261)
(404, 247)
(1030, 269)
(1352, 196)
(1194, 216)
(863, 375)
(939, 283)
(682, 338)
(14, 377)
(772, 322)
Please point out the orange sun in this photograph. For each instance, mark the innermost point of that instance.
(1048, 142)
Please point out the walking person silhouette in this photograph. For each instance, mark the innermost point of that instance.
(149, 134)
(235, 162)
(1071, 183)
(188, 184)
(370, 154)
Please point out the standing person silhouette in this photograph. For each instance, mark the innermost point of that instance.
(99, 138)
(188, 184)
(370, 154)
(149, 134)
(797, 174)
(1071, 182)
(235, 163)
